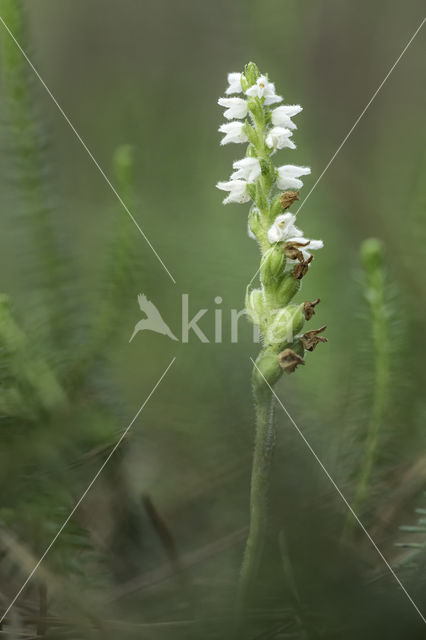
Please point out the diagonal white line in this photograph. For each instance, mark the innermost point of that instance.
(341, 495)
(80, 500)
(351, 130)
(86, 148)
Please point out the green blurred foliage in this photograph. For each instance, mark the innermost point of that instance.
(148, 74)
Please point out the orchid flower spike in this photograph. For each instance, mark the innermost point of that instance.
(256, 117)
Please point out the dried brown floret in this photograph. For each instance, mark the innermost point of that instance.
(289, 360)
(301, 269)
(310, 339)
(288, 198)
(292, 251)
(308, 308)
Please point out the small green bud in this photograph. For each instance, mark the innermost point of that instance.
(272, 265)
(251, 188)
(298, 317)
(276, 207)
(251, 134)
(287, 289)
(267, 368)
(283, 326)
(372, 254)
(261, 199)
(265, 167)
(256, 109)
(251, 74)
(255, 306)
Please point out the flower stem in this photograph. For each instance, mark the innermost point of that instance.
(372, 251)
(261, 471)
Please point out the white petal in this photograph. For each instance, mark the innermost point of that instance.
(280, 115)
(315, 244)
(279, 137)
(248, 169)
(283, 228)
(234, 132)
(237, 191)
(312, 246)
(250, 232)
(234, 80)
(273, 99)
(288, 175)
(236, 107)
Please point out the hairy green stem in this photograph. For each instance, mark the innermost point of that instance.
(260, 479)
(375, 292)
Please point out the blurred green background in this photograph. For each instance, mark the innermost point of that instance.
(148, 73)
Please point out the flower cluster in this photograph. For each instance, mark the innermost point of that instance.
(255, 117)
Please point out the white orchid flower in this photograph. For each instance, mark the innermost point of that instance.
(288, 176)
(234, 80)
(237, 191)
(282, 116)
(279, 138)
(234, 132)
(247, 169)
(235, 107)
(284, 228)
(264, 89)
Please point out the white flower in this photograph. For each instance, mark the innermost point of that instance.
(237, 191)
(264, 89)
(236, 107)
(288, 176)
(279, 137)
(234, 80)
(284, 228)
(312, 245)
(234, 132)
(281, 116)
(247, 169)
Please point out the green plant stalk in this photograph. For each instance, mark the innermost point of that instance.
(260, 480)
(118, 274)
(375, 292)
(30, 166)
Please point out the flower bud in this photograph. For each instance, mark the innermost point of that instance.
(276, 207)
(251, 134)
(272, 265)
(287, 289)
(250, 75)
(256, 110)
(267, 368)
(284, 324)
(255, 305)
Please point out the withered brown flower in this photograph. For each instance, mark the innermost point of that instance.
(292, 251)
(301, 269)
(288, 198)
(289, 360)
(310, 339)
(308, 308)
